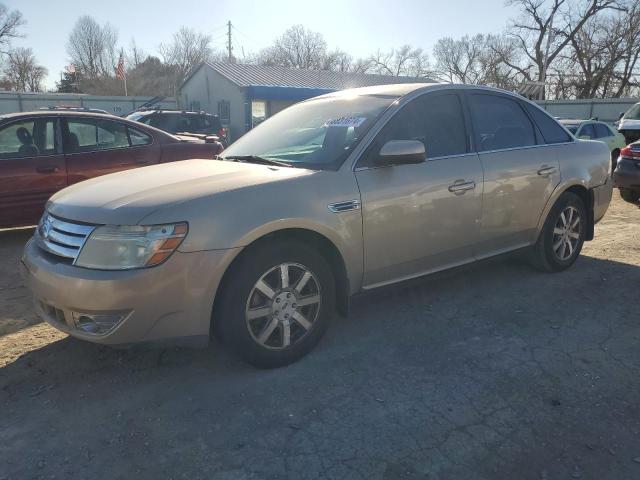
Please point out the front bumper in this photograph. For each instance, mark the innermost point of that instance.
(170, 303)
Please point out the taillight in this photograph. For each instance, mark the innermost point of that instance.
(630, 152)
(222, 132)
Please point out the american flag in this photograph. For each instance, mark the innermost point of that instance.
(120, 73)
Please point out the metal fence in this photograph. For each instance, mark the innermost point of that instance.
(607, 109)
(11, 102)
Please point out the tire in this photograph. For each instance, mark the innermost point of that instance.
(630, 195)
(548, 254)
(254, 324)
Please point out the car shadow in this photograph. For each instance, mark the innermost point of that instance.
(483, 289)
(471, 356)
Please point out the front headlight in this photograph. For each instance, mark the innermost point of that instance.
(112, 247)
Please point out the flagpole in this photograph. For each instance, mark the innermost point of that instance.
(125, 84)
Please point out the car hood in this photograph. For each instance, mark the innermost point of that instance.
(125, 198)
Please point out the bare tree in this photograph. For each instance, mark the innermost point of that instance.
(10, 23)
(22, 72)
(405, 61)
(92, 48)
(135, 55)
(297, 47)
(187, 49)
(338, 61)
(460, 60)
(546, 27)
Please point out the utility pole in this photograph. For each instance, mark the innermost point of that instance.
(229, 47)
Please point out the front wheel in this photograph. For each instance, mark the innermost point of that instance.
(276, 304)
(562, 236)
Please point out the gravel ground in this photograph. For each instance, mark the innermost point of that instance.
(490, 372)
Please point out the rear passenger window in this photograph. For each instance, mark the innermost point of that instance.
(500, 123)
(138, 138)
(601, 130)
(82, 136)
(112, 135)
(435, 120)
(551, 130)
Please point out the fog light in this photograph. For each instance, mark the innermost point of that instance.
(96, 324)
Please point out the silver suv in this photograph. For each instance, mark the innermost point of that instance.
(342, 193)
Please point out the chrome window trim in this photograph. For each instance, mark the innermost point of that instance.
(353, 159)
(428, 160)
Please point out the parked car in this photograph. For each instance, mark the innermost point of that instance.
(43, 152)
(177, 121)
(336, 195)
(629, 124)
(595, 130)
(627, 174)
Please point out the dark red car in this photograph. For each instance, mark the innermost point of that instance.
(45, 151)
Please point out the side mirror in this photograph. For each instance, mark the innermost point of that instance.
(401, 152)
(585, 137)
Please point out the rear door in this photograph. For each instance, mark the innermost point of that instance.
(32, 168)
(96, 146)
(520, 172)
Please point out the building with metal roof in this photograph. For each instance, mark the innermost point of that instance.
(245, 95)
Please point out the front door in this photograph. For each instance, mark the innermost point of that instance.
(520, 172)
(32, 168)
(421, 218)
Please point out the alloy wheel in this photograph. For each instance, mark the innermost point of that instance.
(566, 233)
(283, 306)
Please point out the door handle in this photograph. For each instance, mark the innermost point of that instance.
(141, 162)
(47, 169)
(461, 186)
(545, 171)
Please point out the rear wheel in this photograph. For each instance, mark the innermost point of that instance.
(630, 195)
(276, 304)
(562, 236)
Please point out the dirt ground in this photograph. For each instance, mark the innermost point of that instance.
(492, 372)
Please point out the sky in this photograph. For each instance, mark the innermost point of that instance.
(359, 27)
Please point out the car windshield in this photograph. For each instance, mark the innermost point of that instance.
(572, 128)
(633, 113)
(317, 134)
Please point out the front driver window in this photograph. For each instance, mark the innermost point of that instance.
(28, 138)
(435, 120)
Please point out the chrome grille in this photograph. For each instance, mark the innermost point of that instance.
(61, 237)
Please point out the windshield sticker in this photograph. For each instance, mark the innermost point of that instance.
(354, 122)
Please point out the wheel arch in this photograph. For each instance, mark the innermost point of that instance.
(324, 245)
(587, 197)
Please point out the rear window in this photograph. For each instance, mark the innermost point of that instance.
(551, 130)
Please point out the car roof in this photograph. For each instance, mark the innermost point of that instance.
(62, 113)
(571, 121)
(404, 89)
